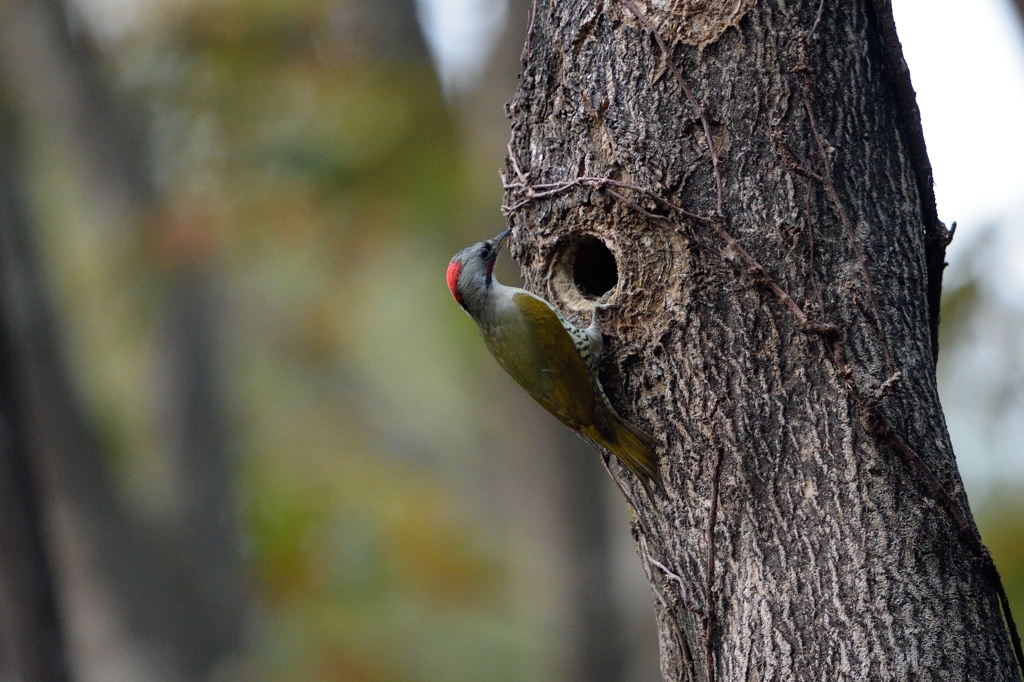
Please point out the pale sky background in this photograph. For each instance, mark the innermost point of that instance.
(967, 64)
(462, 35)
(968, 70)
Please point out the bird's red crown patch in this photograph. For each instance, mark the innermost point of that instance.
(453, 279)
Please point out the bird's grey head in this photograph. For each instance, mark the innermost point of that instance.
(470, 273)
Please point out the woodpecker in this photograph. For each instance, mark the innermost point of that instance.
(555, 361)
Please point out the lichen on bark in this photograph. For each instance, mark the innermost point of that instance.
(773, 330)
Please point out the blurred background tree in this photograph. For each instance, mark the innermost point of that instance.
(265, 443)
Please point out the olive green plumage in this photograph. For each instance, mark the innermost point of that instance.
(554, 361)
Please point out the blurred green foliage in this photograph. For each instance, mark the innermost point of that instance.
(980, 380)
(337, 194)
(1001, 520)
(322, 187)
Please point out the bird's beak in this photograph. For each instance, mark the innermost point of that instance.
(498, 241)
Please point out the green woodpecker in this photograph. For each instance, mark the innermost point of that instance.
(555, 361)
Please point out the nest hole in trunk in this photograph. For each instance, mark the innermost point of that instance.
(594, 270)
(583, 271)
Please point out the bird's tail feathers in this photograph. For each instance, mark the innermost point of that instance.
(635, 450)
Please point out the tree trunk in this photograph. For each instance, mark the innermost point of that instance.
(1019, 6)
(775, 327)
(31, 635)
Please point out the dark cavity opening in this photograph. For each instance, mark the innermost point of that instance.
(593, 268)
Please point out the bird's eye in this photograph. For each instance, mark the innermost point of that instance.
(484, 252)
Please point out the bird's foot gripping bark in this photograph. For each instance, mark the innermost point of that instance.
(593, 332)
(601, 304)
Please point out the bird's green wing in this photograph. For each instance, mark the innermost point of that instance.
(569, 394)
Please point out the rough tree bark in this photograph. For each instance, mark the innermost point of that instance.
(1019, 5)
(777, 297)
